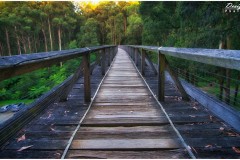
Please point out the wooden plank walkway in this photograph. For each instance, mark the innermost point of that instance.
(124, 117)
(124, 122)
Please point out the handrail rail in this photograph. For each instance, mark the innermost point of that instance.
(11, 66)
(217, 57)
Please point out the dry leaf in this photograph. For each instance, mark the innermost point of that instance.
(49, 115)
(232, 134)
(221, 128)
(23, 148)
(52, 129)
(195, 108)
(211, 117)
(192, 116)
(208, 146)
(236, 149)
(22, 138)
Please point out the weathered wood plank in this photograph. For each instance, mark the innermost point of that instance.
(157, 154)
(126, 144)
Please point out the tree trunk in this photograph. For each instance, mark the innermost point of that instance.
(236, 89)
(115, 36)
(35, 43)
(125, 24)
(50, 34)
(59, 39)
(29, 45)
(24, 45)
(1, 49)
(18, 42)
(8, 43)
(59, 42)
(45, 40)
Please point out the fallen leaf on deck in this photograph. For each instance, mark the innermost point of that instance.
(195, 108)
(211, 117)
(22, 138)
(49, 115)
(221, 128)
(52, 129)
(208, 146)
(23, 148)
(236, 149)
(232, 134)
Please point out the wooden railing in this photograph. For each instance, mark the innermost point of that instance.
(228, 59)
(217, 57)
(11, 66)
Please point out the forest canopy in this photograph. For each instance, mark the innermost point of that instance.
(27, 27)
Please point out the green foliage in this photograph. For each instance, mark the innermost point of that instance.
(73, 44)
(88, 33)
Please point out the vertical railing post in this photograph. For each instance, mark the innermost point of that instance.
(109, 56)
(143, 61)
(112, 53)
(103, 62)
(86, 74)
(136, 56)
(161, 76)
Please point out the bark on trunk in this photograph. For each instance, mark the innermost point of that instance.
(29, 45)
(8, 43)
(1, 50)
(45, 40)
(18, 42)
(24, 45)
(125, 24)
(50, 34)
(35, 43)
(59, 39)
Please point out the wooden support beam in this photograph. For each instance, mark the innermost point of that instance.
(109, 56)
(176, 80)
(143, 53)
(136, 56)
(103, 62)
(161, 76)
(86, 73)
(149, 62)
(112, 53)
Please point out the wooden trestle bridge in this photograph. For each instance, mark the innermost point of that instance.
(121, 106)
